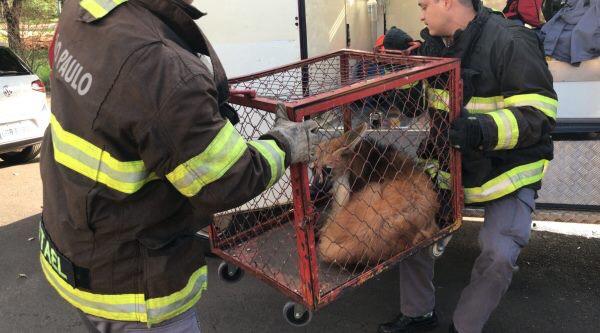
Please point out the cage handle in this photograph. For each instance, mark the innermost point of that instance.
(248, 93)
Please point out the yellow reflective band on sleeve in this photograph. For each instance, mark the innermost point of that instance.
(507, 182)
(220, 155)
(549, 106)
(438, 99)
(274, 156)
(99, 8)
(410, 85)
(508, 129)
(442, 179)
(485, 104)
(130, 307)
(96, 164)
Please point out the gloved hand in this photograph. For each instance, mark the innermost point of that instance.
(396, 39)
(466, 134)
(298, 140)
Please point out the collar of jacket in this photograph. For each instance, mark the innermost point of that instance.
(463, 40)
(177, 14)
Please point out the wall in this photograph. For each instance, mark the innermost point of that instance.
(250, 38)
(326, 26)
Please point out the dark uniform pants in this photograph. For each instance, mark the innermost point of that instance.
(505, 232)
(186, 322)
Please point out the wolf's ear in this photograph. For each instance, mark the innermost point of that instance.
(353, 137)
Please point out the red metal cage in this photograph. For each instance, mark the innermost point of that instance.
(277, 236)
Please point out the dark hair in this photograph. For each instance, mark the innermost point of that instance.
(473, 3)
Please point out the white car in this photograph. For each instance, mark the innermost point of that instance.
(24, 114)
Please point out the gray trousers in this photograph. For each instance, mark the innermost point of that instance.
(186, 322)
(506, 230)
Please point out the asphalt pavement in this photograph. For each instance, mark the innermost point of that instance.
(556, 290)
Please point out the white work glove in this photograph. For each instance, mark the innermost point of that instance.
(298, 140)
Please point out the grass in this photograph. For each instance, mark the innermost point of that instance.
(43, 72)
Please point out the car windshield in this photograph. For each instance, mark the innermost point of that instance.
(10, 64)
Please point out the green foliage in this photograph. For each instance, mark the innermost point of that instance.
(37, 23)
(39, 11)
(43, 72)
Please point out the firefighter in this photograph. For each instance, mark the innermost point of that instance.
(141, 151)
(504, 136)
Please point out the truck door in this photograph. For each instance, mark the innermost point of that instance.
(250, 36)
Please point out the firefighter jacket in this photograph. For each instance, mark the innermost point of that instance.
(137, 159)
(508, 86)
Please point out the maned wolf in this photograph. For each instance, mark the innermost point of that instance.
(381, 203)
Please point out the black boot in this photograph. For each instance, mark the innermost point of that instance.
(404, 323)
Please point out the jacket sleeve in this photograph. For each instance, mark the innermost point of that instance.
(189, 144)
(530, 103)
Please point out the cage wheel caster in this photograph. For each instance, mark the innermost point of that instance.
(437, 249)
(296, 314)
(230, 273)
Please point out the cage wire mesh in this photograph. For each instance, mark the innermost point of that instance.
(375, 191)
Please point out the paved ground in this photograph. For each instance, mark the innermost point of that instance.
(556, 290)
(20, 191)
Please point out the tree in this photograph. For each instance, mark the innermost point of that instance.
(28, 26)
(12, 15)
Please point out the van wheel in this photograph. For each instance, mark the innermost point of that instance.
(23, 156)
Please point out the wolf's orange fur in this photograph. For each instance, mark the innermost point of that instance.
(382, 202)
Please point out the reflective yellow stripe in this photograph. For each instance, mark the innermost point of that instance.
(549, 106)
(508, 129)
(99, 8)
(438, 99)
(220, 155)
(130, 307)
(410, 85)
(508, 182)
(442, 179)
(485, 104)
(163, 308)
(274, 156)
(96, 164)
(126, 307)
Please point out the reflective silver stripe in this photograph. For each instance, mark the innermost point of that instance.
(225, 150)
(507, 182)
(508, 129)
(99, 8)
(86, 304)
(274, 156)
(549, 106)
(93, 163)
(157, 314)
